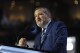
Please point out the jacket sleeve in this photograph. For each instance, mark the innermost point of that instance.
(60, 39)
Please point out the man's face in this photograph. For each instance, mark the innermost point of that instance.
(41, 18)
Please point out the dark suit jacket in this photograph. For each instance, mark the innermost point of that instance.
(55, 38)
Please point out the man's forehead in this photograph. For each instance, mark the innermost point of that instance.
(39, 11)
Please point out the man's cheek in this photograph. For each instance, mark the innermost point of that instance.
(46, 16)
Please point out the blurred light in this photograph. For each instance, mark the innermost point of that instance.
(21, 18)
(20, 7)
(69, 46)
(12, 17)
(70, 39)
(76, 2)
(12, 5)
(78, 15)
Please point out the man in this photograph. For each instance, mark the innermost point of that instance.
(54, 33)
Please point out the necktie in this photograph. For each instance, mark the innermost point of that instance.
(42, 35)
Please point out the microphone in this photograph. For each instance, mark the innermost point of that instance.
(21, 34)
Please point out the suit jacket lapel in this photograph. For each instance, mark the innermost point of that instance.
(47, 32)
(38, 41)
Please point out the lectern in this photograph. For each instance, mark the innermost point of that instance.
(11, 49)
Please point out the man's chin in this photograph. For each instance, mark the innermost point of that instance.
(39, 25)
